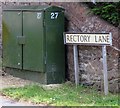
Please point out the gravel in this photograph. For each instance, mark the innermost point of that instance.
(10, 81)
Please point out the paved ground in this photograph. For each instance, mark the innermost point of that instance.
(9, 102)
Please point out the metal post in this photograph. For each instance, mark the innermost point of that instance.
(76, 66)
(105, 69)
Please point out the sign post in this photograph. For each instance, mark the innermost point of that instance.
(76, 66)
(105, 69)
(96, 39)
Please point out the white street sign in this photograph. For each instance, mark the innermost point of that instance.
(95, 39)
(88, 38)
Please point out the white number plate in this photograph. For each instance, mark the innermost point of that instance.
(54, 15)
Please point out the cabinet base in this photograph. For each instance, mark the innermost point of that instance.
(39, 77)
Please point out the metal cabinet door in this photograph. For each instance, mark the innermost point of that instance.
(55, 67)
(33, 48)
(12, 27)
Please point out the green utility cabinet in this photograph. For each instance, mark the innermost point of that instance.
(33, 46)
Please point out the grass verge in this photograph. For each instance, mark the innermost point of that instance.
(65, 95)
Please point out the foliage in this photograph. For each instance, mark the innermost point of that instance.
(65, 95)
(109, 11)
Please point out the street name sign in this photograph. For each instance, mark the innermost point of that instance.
(88, 38)
(96, 39)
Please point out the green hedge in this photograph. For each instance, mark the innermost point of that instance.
(109, 11)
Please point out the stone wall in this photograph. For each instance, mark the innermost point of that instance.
(78, 19)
